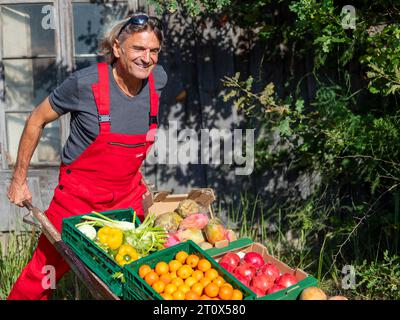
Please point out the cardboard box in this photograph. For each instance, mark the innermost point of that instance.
(164, 201)
(243, 245)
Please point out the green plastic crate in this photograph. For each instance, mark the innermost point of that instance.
(291, 293)
(91, 254)
(136, 288)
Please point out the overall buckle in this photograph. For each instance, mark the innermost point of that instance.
(104, 118)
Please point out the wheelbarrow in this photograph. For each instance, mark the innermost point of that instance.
(94, 284)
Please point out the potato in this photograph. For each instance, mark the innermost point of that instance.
(313, 293)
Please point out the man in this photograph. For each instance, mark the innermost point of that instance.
(113, 110)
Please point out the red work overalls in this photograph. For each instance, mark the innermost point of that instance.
(105, 176)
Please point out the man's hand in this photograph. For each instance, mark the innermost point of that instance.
(18, 192)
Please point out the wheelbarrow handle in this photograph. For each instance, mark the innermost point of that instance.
(30, 217)
(27, 204)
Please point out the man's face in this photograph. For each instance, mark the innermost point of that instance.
(138, 54)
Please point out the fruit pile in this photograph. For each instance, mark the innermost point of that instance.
(190, 221)
(188, 277)
(262, 278)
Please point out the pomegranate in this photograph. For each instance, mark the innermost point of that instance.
(270, 270)
(242, 279)
(246, 270)
(231, 259)
(227, 266)
(254, 259)
(286, 280)
(257, 291)
(262, 283)
(275, 288)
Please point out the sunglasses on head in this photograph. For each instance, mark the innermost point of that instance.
(140, 20)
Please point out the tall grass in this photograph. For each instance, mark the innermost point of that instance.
(18, 251)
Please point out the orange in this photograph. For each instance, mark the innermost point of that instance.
(227, 284)
(237, 295)
(170, 288)
(184, 272)
(181, 256)
(166, 278)
(211, 274)
(161, 268)
(204, 265)
(190, 295)
(158, 286)
(219, 281)
(177, 281)
(198, 288)
(192, 260)
(198, 275)
(211, 290)
(204, 297)
(143, 270)
(151, 277)
(174, 265)
(190, 281)
(205, 281)
(166, 296)
(178, 295)
(225, 293)
(173, 275)
(184, 288)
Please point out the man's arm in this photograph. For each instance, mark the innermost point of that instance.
(43, 114)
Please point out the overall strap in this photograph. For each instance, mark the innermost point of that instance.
(153, 109)
(101, 94)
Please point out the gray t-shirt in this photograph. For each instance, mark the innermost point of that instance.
(129, 115)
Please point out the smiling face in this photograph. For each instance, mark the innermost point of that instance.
(138, 53)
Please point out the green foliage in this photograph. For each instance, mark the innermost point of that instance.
(379, 279)
(383, 58)
(192, 7)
